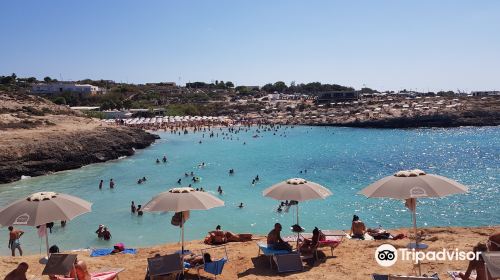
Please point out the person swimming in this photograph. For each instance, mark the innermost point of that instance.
(164, 159)
(157, 161)
(241, 205)
(219, 190)
(179, 181)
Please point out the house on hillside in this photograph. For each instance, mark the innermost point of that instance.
(52, 88)
(337, 96)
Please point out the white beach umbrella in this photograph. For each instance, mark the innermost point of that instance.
(410, 185)
(180, 200)
(42, 208)
(297, 189)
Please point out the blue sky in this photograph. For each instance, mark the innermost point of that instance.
(425, 44)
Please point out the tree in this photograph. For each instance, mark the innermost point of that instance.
(60, 100)
(268, 88)
(47, 79)
(229, 84)
(279, 86)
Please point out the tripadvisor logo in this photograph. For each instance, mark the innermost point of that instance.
(387, 255)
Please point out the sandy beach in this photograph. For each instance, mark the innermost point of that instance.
(353, 259)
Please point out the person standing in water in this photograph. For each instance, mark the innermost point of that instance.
(100, 184)
(111, 184)
(241, 205)
(14, 243)
(132, 208)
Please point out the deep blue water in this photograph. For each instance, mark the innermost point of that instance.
(343, 159)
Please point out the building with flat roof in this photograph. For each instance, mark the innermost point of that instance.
(52, 88)
(337, 96)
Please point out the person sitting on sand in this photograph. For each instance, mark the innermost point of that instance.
(358, 228)
(275, 241)
(195, 260)
(477, 265)
(19, 273)
(307, 246)
(216, 237)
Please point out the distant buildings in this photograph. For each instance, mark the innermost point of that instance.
(53, 88)
(337, 96)
(485, 93)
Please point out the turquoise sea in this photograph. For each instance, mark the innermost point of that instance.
(343, 159)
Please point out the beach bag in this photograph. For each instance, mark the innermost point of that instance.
(177, 218)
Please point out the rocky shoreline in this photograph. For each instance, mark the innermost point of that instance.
(64, 151)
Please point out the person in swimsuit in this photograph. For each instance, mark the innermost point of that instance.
(81, 272)
(14, 243)
(19, 273)
(275, 241)
(476, 265)
(358, 228)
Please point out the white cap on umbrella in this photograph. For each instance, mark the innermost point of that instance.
(297, 189)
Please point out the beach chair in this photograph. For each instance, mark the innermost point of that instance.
(165, 265)
(290, 262)
(403, 277)
(492, 264)
(270, 252)
(62, 264)
(215, 267)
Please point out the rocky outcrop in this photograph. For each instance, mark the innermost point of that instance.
(473, 118)
(69, 150)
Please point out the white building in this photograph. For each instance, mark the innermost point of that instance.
(84, 89)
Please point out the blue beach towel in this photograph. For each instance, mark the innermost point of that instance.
(107, 251)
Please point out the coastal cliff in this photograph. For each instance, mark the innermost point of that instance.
(39, 137)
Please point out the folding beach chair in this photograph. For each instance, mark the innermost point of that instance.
(402, 277)
(59, 264)
(492, 264)
(215, 267)
(270, 252)
(288, 262)
(165, 265)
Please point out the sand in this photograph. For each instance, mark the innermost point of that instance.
(353, 259)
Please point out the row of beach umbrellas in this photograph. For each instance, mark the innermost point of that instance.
(409, 185)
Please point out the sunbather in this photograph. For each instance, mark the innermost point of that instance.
(19, 273)
(195, 260)
(494, 242)
(477, 265)
(275, 241)
(378, 233)
(307, 246)
(218, 236)
(358, 228)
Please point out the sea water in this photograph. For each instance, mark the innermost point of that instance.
(345, 160)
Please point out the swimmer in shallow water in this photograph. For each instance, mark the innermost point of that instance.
(241, 205)
(157, 161)
(179, 181)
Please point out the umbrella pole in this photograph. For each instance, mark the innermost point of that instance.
(416, 237)
(47, 240)
(298, 232)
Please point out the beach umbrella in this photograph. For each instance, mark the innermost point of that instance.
(181, 200)
(297, 189)
(409, 185)
(41, 208)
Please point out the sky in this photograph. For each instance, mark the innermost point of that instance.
(385, 44)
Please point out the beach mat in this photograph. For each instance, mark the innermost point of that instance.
(107, 251)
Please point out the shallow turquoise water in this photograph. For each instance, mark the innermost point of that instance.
(342, 159)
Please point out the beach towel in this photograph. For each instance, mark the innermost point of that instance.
(454, 275)
(367, 237)
(107, 251)
(96, 276)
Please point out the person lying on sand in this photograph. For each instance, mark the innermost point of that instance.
(195, 260)
(219, 236)
(358, 228)
(19, 273)
(477, 265)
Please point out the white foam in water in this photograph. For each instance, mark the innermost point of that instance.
(25, 177)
